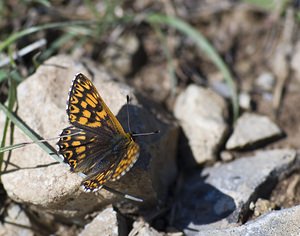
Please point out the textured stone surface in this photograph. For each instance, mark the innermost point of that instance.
(140, 228)
(276, 223)
(251, 129)
(201, 114)
(220, 196)
(105, 223)
(35, 178)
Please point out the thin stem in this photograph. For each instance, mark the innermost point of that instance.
(127, 196)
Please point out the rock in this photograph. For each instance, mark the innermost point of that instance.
(201, 114)
(16, 222)
(283, 222)
(265, 81)
(156, 81)
(141, 228)
(263, 206)
(226, 156)
(245, 100)
(252, 129)
(118, 56)
(218, 197)
(35, 178)
(105, 223)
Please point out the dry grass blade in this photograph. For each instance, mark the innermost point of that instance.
(204, 45)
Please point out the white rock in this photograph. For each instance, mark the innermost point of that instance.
(105, 223)
(245, 100)
(141, 228)
(251, 129)
(265, 81)
(201, 114)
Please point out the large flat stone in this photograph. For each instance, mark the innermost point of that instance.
(33, 177)
(219, 197)
(283, 222)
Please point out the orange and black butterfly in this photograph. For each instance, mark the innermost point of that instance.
(95, 144)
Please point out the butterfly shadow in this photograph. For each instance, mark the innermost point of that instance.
(17, 168)
(198, 203)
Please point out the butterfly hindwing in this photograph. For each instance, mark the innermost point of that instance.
(128, 159)
(81, 149)
(117, 169)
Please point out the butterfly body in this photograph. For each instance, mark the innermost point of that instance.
(95, 144)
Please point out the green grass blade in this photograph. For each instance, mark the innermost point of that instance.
(12, 96)
(34, 29)
(30, 133)
(205, 46)
(3, 75)
(45, 3)
(11, 147)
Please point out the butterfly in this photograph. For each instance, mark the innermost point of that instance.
(95, 144)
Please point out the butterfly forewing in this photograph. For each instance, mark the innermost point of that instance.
(96, 143)
(87, 109)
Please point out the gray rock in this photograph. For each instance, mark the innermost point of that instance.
(201, 113)
(265, 81)
(105, 223)
(33, 177)
(252, 129)
(220, 196)
(276, 223)
(16, 222)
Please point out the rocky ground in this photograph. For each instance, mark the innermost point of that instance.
(205, 173)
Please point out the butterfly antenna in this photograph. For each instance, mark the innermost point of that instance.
(128, 117)
(128, 123)
(146, 134)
